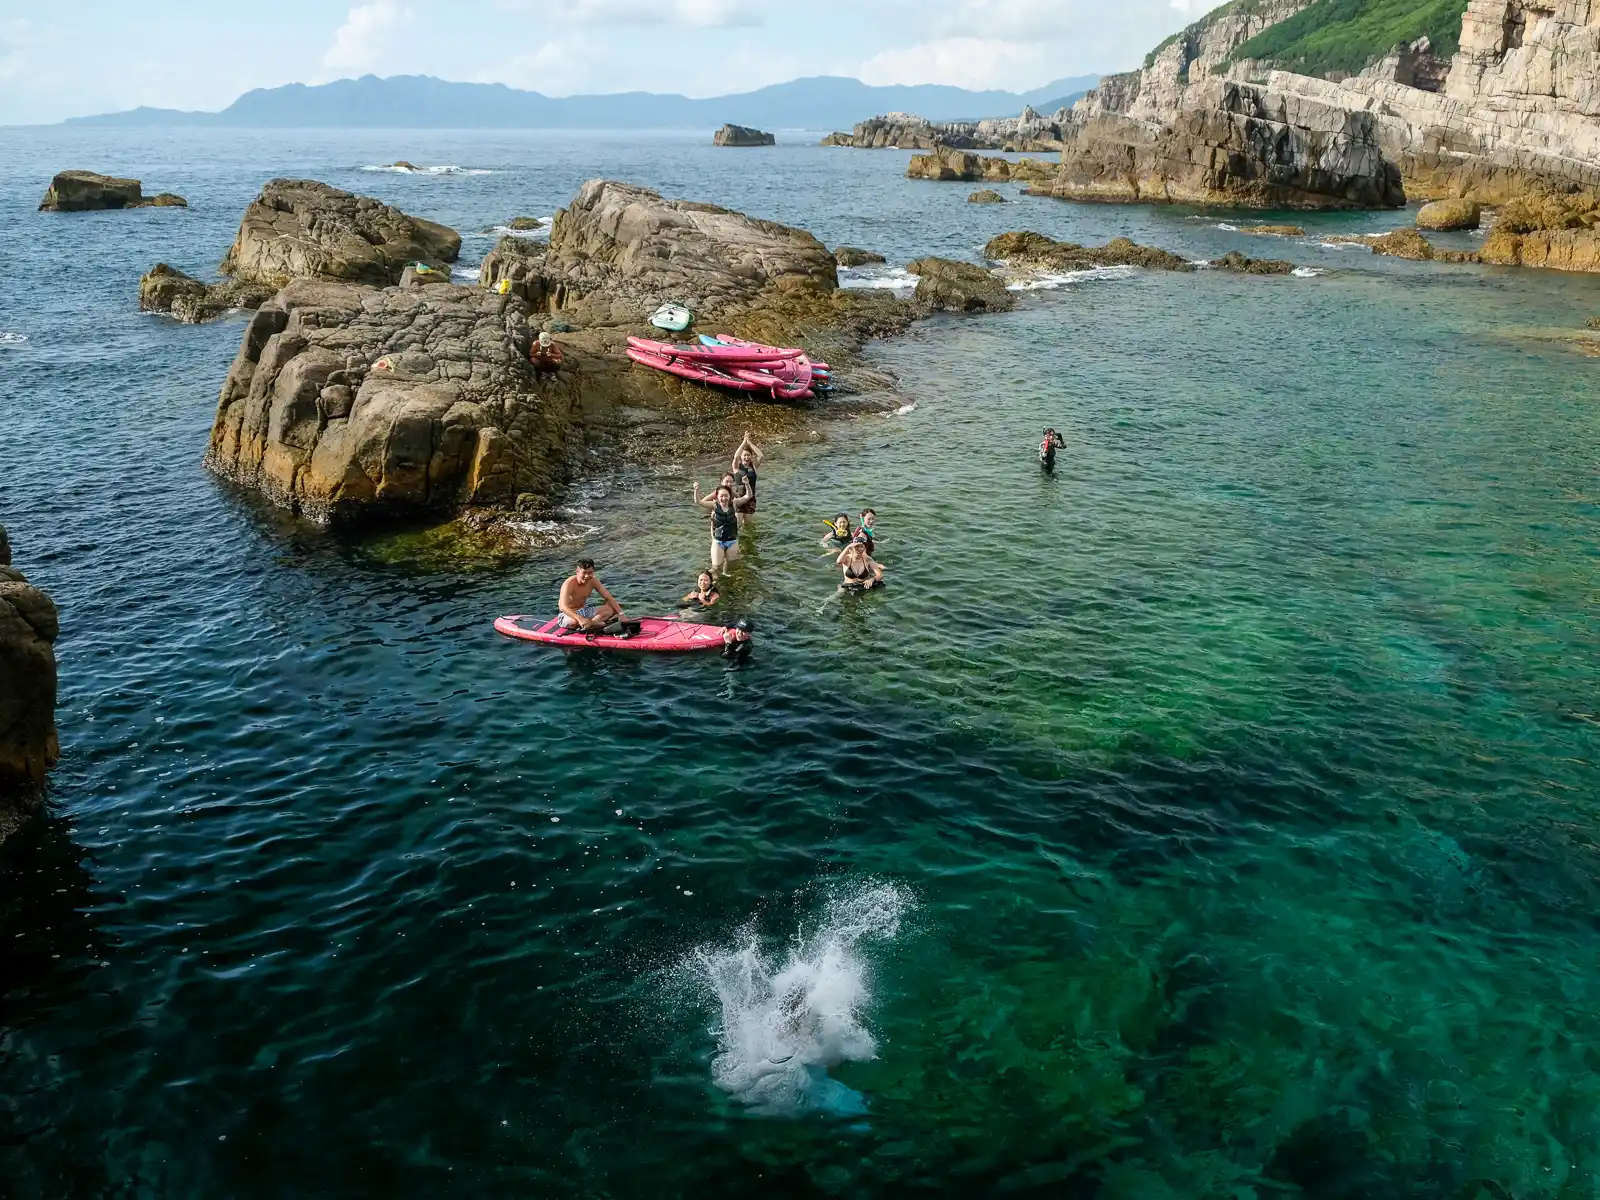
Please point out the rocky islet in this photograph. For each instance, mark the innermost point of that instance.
(89, 191)
(29, 745)
(742, 135)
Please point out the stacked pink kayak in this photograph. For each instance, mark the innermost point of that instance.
(729, 362)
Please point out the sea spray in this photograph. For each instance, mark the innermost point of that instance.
(784, 1022)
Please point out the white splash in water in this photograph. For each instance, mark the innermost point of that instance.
(541, 234)
(1048, 283)
(12, 339)
(448, 169)
(876, 277)
(903, 410)
(1306, 272)
(1224, 225)
(783, 1026)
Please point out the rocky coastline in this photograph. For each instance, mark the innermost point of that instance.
(29, 744)
(1028, 132)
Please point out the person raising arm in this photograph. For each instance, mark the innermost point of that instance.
(746, 459)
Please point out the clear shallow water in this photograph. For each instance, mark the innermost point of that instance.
(1235, 787)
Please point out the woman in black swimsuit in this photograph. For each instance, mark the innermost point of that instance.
(746, 459)
(704, 594)
(860, 571)
(724, 526)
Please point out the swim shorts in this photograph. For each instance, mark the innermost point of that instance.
(587, 612)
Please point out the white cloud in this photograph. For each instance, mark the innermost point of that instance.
(556, 68)
(699, 14)
(967, 62)
(367, 38)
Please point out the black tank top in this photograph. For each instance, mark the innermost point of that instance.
(724, 524)
(748, 474)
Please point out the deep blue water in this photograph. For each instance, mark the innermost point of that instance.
(1213, 818)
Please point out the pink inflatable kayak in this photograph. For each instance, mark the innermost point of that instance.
(662, 634)
(743, 352)
(794, 383)
(727, 339)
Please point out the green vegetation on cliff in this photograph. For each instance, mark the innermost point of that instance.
(1346, 35)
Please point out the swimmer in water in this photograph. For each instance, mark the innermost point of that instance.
(839, 532)
(736, 638)
(860, 571)
(705, 591)
(1047, 449)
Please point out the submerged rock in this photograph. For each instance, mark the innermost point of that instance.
(854, 256)
(86, 191)
(986, 196)
(1444, 215)
(28, 627)
(1234, 261)
(301, 228)
(190, 300)
(1402, 243)
(945, 285)
(523, 224)
(1274, 230)
(742, 135)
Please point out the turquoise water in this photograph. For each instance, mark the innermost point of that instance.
(1213, 818)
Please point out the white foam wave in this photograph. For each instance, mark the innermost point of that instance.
(449, 169)
(904, 410)
(1047, 283)
(877, 276)
(461, 274)
(1306, 272)
(783, 1024)
(1229, 228)
(12, 339)
(541, 234)
(551, 533)
(1344, 246)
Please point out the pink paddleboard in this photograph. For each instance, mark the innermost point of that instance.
(662, 634)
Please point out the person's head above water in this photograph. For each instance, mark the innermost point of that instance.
(746, 459)
(841, 525)
(868, 518)
(724, 493)
(727, 480)
(856, 550)
(704, 581)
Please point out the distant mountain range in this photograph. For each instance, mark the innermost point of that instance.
(423, 102)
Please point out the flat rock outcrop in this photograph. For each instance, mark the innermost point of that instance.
(190, 300)
(1560, 232)
(962, 166)
(87, 191)
(906, 131)
(986, 196)
(299, 228)
(946, 285)
(28, 627)
(1234, 144)
(742, 135)
(1036, 251)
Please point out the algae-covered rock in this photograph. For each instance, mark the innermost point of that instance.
(1444, 215)
(1545, 229)
(946, 285)
(1234, 261)
(1274, 230)
(1402, 243)
(986, 196)
(167, 289)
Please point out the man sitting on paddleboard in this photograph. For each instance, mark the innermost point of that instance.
(576, 611)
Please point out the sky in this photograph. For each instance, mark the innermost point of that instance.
(67, 58)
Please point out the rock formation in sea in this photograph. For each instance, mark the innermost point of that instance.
(1456, 213)
(1027, 250)
(906, 131)
(299, 228)
(962, 166)
(1274, 230)
(28, 628)
(1231, 143)
(986, 196)
(1544, 229)
(947, 285)
(354, 403)
(854, 256)
(742, 135)
(1516, 113)
(190, 300)
(86, 191)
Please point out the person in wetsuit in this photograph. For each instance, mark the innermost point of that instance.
(746, 458)
(724, 526)
(1047, 449)
(860, 571)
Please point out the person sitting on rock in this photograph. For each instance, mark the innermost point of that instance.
(545, 356)
(577, 612)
